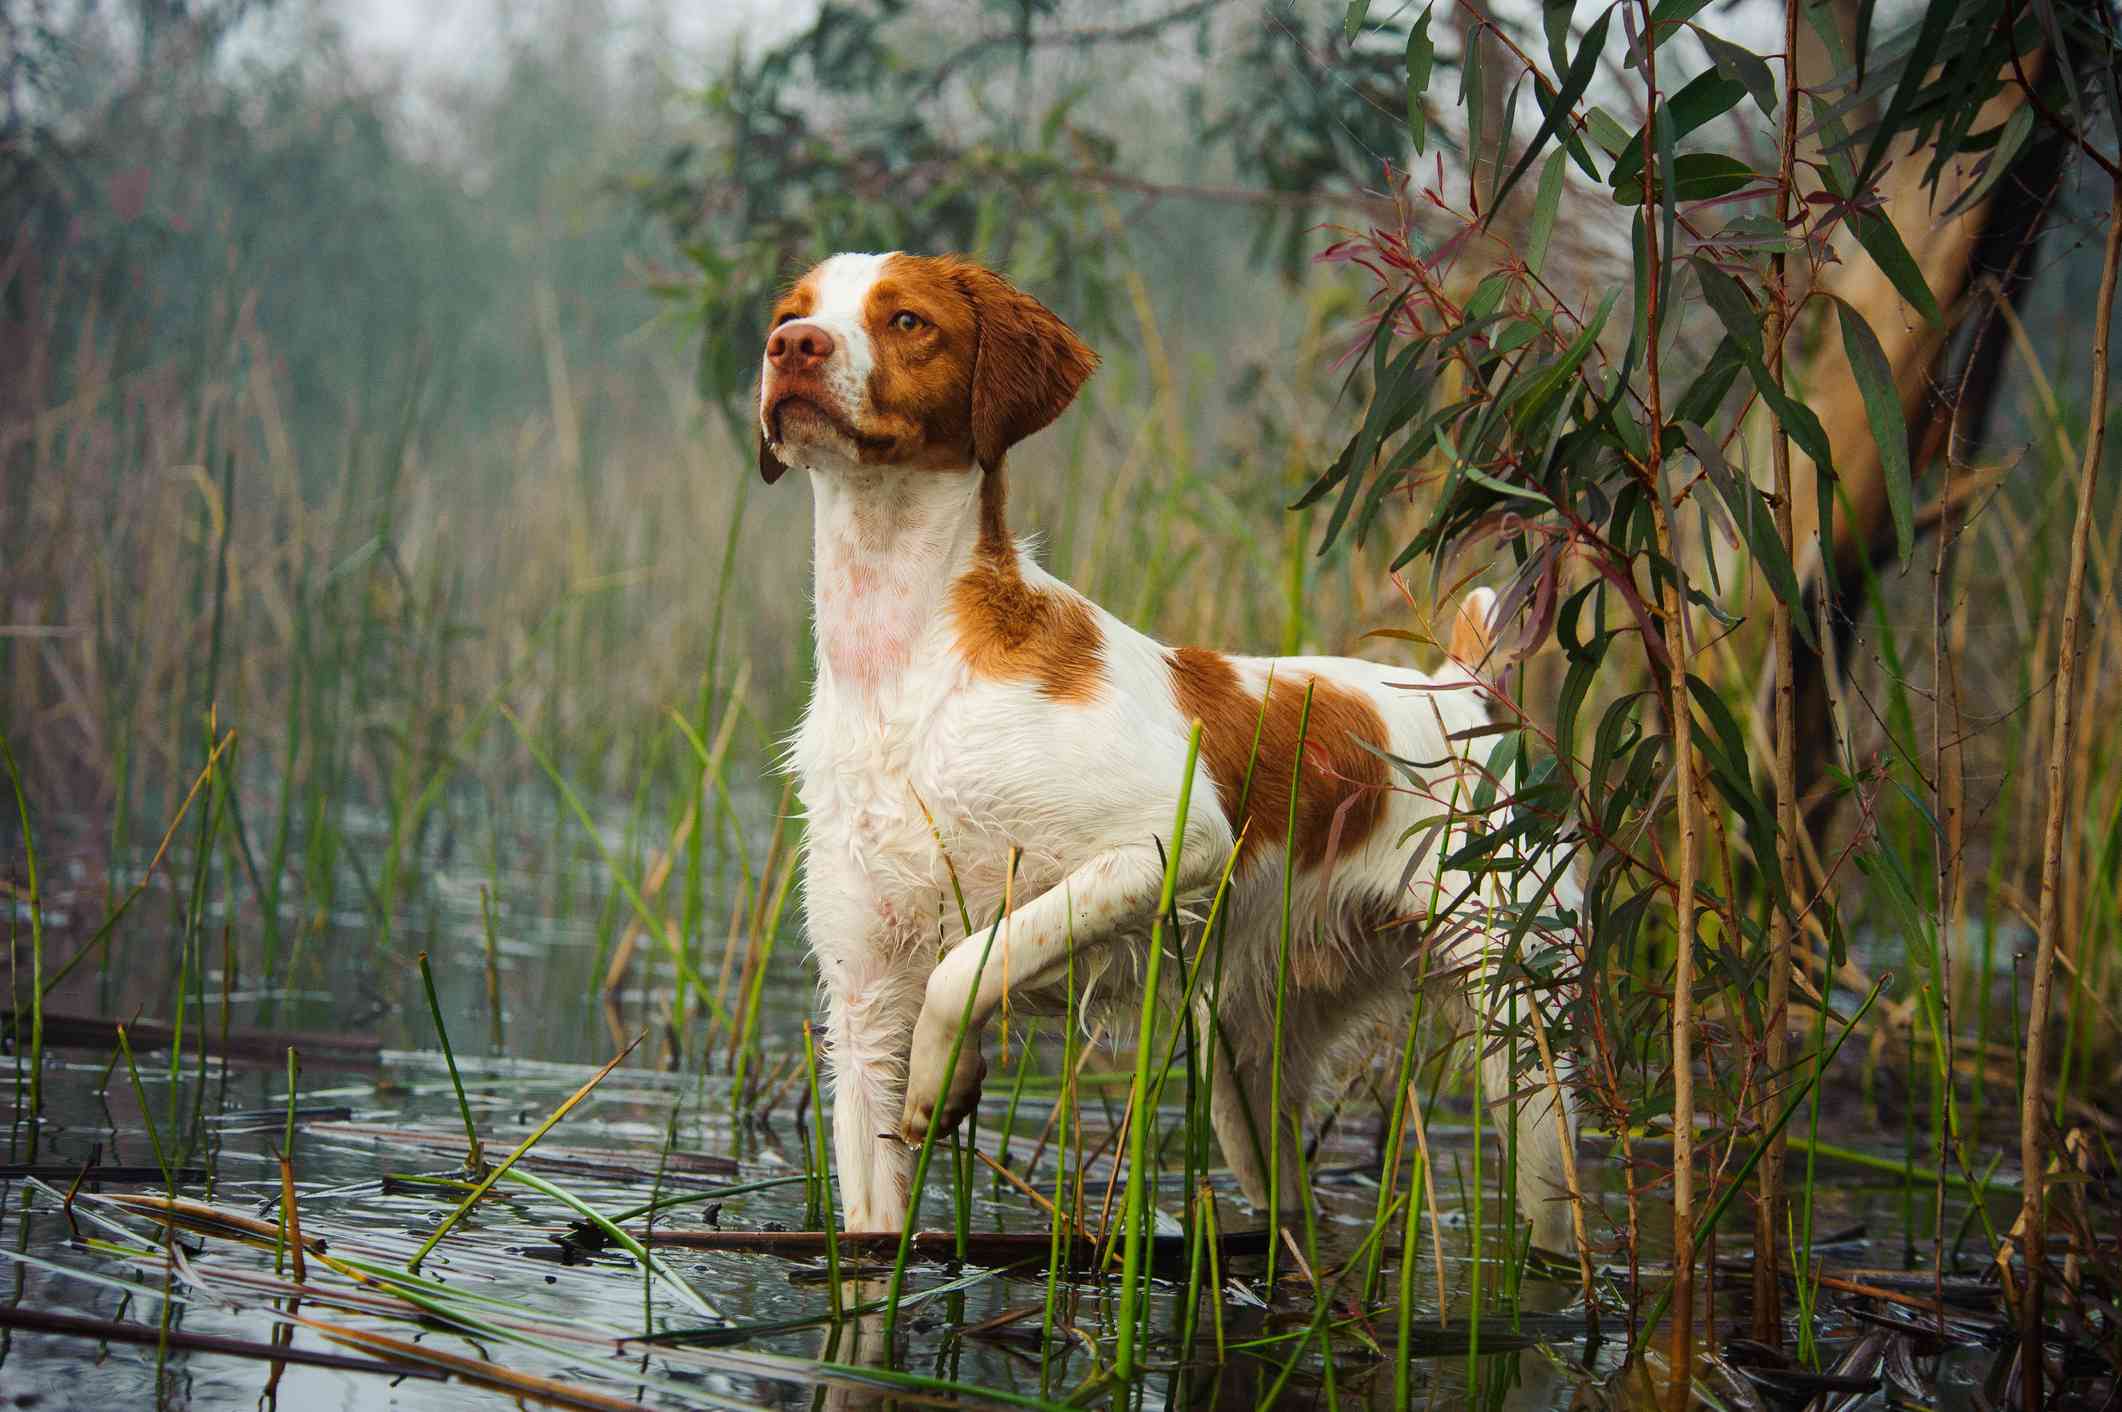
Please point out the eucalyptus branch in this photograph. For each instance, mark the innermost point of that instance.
(1768, 1200)
(2075, 132)
(1686, 800)
(1083, 37)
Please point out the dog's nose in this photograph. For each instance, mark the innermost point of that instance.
(796, 346)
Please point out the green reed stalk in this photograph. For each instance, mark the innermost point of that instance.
(656, 925)
(1319, 1329)
(1508, 1184)
(1479, 1242)
(697, 1198)
(2101, 882)
(1274, 1080)
(1908, 1145)
(35, 899)
(928, 1138)
(1808, 1350)
(1200, 1055)
(121, 826)
(1009, 1114)
(147, 1117)
(823, 1157)
(1060, 1223)
(1872, 1162)
(960, 1193)
(191, 962)
(1190, 1311)
(287, 1148)
(1753, 1158)
(645, 759)
(1137, 1205)
(284, 812)
(494, 1037)
(1200, 1052)
(2000, 839)
(748, 1029)
(1410, 1251)
(694, 899)
(1213, 935)
(1396, 1139)
(475, 1156)
(169, 1183)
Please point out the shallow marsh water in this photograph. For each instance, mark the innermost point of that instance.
(379, 1136)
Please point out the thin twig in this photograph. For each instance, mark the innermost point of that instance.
(2032, 1133)
(1768, 1200)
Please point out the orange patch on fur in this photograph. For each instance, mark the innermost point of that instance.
(920, 381)
(797, 301)
(1339, 773)
(1010, 631)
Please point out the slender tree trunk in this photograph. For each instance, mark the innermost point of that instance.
(1685, 795)
(1992, 238)
(2062, 697)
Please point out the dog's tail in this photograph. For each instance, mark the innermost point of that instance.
(1473, 634)
(1543, 1176)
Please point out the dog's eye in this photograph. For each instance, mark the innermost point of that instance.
(906, 321)
(784, 319)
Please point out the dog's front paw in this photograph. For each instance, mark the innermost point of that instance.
(925, 1082)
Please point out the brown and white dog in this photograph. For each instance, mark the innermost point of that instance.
(970, 706)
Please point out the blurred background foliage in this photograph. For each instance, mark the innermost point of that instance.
(468, 334)
(350, 394)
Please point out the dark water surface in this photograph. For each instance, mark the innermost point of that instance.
(378, 1130)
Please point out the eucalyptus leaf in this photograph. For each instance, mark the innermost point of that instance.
(1421, 59)
(1697, 176)
(1882, 408)
(1610, 135)
(1558, 112)
(1735, 62)
(1546, 203)
(2011, 140)
(1755, 524)
(1729, 304)
(1702, 100)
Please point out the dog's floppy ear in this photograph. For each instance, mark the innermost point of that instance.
(770, 467)
(1027, 368)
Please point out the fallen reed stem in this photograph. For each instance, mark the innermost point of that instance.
(486, 1183)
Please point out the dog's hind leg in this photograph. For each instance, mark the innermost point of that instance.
(1241, 1105)
(1247, 1093)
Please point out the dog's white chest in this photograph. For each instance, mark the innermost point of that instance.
(904, 807)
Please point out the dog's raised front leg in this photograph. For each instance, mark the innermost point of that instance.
(1113, 894)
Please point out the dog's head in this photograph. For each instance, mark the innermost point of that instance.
(911, 361)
